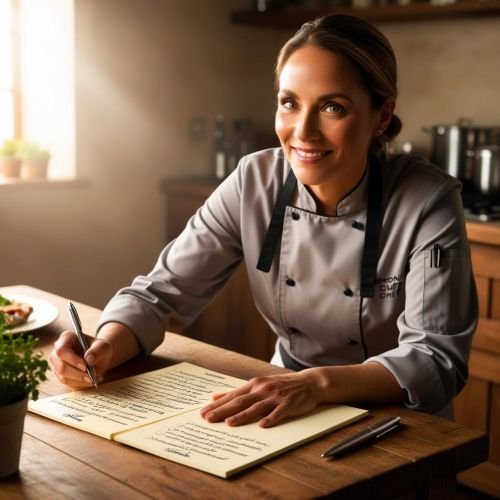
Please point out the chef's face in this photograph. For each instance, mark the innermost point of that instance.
(325, 121)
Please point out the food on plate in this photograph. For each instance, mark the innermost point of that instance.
(14, 313)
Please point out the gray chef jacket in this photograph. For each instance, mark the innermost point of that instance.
(420, 322)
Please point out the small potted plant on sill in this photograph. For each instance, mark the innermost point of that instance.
(35, 160)
(21, 370)
(10, 164)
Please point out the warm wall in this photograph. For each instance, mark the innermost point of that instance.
(448, 69)
(143, 69)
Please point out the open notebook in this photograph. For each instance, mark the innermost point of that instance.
(158, 412)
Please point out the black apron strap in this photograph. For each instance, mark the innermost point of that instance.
(288, 361)
(373, 223)
(275, 229)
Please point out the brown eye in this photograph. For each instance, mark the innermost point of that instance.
(287, 103)
(334, 108)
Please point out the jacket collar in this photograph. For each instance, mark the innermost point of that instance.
(353, 202)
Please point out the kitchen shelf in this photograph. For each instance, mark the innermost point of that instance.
(294, 17)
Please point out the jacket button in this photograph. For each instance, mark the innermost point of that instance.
(348, 292)
(295, 216)
(357, 225)
(350, 342)
(290, 282)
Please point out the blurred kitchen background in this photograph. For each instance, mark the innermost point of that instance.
(150, 78)
(127, 101)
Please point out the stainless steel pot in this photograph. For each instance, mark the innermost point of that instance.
(486, 169)
(450, 144)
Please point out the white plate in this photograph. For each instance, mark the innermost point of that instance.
(44, 313)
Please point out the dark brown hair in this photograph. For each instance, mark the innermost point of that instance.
(365, 47)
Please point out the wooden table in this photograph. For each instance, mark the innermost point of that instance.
(420, 461)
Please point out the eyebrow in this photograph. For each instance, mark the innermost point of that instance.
(324, 97)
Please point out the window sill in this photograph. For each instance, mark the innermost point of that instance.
(16, 183)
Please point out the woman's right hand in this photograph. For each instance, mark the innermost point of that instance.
(70, 365)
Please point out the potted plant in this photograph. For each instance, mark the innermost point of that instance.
(21, 370)
(10, 164)
(35, 160)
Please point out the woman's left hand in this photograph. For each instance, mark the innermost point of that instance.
(271, 399)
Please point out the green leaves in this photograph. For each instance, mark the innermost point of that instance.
(24, 150)
(8, 149)
(21, 370)
(4, 301)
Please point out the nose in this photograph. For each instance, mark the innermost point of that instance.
(307, 126)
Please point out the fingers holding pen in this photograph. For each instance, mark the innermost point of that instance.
(99, 356)
(66, 359)
(70, 366)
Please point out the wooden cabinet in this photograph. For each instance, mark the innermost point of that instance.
(478, 405)
(231, 320)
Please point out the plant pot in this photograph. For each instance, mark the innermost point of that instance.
(11, 434)
(10, 167)
(34, 169)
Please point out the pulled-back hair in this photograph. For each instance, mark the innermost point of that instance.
(365, 47)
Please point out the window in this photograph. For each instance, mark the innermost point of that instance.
(10, 111)
(37, 83)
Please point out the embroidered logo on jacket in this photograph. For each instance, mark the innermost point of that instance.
(389, 288)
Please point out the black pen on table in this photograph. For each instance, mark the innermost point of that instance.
(77, 326)
(375, 431)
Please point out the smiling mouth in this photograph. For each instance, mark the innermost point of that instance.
(310, 154)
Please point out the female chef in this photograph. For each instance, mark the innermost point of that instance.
(357, 260)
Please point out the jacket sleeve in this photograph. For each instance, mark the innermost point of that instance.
(189, 272)
(441, 308)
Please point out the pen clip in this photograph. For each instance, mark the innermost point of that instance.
(375, 431)
(390, 429)
(384, 424)
(435, 256)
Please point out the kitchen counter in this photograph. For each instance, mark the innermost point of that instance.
(484, 232)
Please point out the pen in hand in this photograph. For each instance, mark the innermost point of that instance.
(77, 326)
(374, 431)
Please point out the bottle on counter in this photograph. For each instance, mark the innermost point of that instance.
(220, 148)
(231, 144)
(242, 141)
(246, 137)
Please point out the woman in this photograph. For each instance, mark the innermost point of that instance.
(357, 260)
